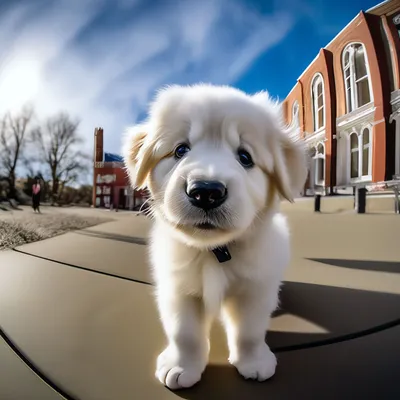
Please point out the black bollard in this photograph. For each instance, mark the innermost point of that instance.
(317, 203)
(361, 200)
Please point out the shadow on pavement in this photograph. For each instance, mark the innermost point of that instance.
(366, 265)
(339, 311)
(355, 365)
(113, 236)
(365, 368)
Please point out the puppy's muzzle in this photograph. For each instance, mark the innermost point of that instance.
(206, 194)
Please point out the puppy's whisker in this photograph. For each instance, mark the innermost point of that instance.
(143, 204)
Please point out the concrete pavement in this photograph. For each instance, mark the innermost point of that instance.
(79, 311)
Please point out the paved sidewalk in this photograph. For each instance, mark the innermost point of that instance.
(79, 310)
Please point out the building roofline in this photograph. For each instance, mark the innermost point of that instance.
(326, 47)
(291, 90)
(342, 30)
(382, 3)
(309, 65)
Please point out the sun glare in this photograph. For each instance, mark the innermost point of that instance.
(19, 83)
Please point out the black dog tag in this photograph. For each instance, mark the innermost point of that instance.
(222, 254)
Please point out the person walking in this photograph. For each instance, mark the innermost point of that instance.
(36, 195)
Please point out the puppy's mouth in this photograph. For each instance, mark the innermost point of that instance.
(196, 221)
(200, 227)
(207, 226)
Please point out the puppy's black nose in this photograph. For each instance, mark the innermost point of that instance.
(206, 194)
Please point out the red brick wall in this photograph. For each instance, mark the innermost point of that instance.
(295, 95)
(365, 29)
(322, 65)
(109, 180)
(372, 31)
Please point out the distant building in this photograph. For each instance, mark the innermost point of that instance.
(347, 103)
(111, 187)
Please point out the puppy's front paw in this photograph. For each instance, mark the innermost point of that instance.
(260, 365)
(177, 371)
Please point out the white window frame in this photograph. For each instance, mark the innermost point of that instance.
(397, 152)
(351, 153)
(396, 22)
(317, 156)
(317, 79)
(365, 146)
(361, 147)
(295, 114)
(351, 82)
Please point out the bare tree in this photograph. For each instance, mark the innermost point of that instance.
(59, 142)
(13, 136)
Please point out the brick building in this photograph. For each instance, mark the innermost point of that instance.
(347, 103)
(111, 188)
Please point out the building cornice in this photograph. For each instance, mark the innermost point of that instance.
(395, 100)
(355, 117)
(315, 137)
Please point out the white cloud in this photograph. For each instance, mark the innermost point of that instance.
(102, 60)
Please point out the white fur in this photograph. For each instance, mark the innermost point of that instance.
(192, 287)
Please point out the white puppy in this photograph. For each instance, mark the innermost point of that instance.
(216, 162)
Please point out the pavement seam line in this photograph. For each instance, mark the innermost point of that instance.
(20, 354)
(339, 339)
(82, 268)
(301, 346)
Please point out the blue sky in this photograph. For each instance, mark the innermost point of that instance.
(102, 60)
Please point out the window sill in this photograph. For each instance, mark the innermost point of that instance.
(360, 108)
(314, 135)
(367, 178)
(355, 115)
(319, 130)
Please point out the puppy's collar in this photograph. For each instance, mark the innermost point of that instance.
(222, 254)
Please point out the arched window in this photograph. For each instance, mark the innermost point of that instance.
(356, 76)
(318, 102)
(354, 150)
(320, 164)
(317, 153)
(366, 140)
(396, 22)
(360, 154)
(295, 114)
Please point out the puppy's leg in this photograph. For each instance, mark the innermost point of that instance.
(182, 363)
(246, 319)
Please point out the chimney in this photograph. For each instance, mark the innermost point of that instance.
(98, 145)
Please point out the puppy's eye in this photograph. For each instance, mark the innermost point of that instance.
(181, 150)
(245, 158)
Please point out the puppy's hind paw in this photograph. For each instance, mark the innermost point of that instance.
(178, 372)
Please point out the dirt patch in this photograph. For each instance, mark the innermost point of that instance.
(21, 229)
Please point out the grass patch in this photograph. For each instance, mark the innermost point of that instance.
(27, 229)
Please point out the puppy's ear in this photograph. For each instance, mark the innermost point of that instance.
(289, 164)
(138, 155)
(289, 159)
